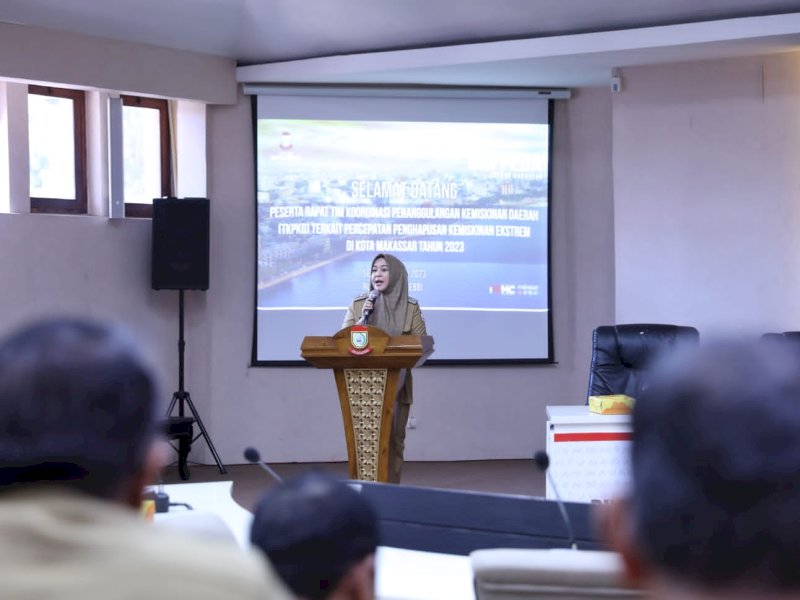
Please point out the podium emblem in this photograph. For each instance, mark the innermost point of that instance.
(359, 340)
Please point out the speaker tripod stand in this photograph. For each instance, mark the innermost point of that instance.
(180, 427)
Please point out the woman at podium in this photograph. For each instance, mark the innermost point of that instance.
(389, 307)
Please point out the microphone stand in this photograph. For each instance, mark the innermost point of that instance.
(563, 509)
(542, 461)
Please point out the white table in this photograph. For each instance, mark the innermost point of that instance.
(400, 574)
(589, 453)
(215, 498)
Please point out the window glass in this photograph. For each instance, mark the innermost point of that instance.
(141, 154)
(51, 130)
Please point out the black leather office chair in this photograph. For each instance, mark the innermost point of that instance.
(621, 355)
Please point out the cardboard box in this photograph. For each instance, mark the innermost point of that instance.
(613, 404)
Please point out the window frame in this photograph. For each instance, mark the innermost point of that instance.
(138, 209)
(77, 205)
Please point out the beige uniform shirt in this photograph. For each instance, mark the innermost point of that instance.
(414, 323)
(64, 545)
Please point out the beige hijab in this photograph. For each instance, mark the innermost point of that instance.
(391, 305)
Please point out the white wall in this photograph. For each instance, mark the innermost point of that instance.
(57, 57)
(53, 264)
(292, 414)
(59, 264)
(706, 184)
(91, 265)
(15, 179)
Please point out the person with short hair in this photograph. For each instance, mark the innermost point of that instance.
(321, 536)
(713, 509)
(79, 438)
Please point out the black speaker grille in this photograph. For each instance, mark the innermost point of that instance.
(181, 236)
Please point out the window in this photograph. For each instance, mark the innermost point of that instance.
(146, 154)
(57, 149)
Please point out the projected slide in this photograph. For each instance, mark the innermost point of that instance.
(463, 205)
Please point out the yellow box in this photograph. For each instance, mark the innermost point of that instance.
(613, 404)
(148, 509)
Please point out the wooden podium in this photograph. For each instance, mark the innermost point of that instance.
(368, 366)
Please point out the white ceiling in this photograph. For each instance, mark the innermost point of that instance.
(464, 42)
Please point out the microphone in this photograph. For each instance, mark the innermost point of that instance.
(253, 456)
(543, 462)
(373, 295)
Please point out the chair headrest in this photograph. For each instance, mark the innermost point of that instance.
(638, 343)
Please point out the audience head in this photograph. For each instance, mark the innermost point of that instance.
(77, 409)
(320, 535)
(714, 502)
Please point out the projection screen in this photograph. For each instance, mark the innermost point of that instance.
(456, 187)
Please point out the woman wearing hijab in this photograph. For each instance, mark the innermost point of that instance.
(396, 313)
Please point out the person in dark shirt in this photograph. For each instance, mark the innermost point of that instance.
(713, 509)
(321, 536)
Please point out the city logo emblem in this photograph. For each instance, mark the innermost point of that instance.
(359, 340)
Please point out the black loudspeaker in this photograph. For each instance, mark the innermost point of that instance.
(181, 235)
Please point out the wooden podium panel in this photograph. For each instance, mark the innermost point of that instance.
(367, 380)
